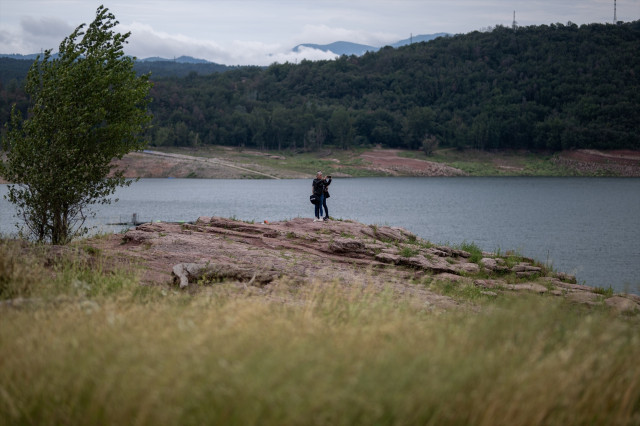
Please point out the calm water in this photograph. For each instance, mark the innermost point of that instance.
(585, 226)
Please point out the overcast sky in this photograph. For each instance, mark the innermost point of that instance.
(241, 32)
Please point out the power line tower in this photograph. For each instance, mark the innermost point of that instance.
(615, 14)
(514, 25)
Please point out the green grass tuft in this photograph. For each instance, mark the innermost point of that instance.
(605, 291)
(476, 252)
(408, 251)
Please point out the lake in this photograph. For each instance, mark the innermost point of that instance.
(589, 227)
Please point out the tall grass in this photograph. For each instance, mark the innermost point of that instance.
(43, 272)
(312, 354)
(473, 249)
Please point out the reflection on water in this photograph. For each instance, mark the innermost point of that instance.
(586, 226)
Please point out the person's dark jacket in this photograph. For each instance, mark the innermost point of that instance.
(327, 182)
(320, 186)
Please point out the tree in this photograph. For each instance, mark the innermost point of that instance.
(340, 126)
(87, 108)
(418, 123)
(429, 144)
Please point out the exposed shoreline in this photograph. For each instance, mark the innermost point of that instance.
(227, 163)
(216, 162)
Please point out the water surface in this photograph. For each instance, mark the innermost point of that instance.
(586, 226)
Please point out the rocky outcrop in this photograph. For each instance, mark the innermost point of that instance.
(622, 304)
(345, 245)
(188, 273)
(216, 250)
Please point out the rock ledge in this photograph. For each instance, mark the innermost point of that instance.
(214, 250)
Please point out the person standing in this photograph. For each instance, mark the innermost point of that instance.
(325, 195)
(318, 188)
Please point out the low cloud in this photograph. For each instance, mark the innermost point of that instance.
(34, 35)
(302, 54)
(146, 42)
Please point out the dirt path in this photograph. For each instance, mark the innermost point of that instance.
(213, 161)
(156, 164)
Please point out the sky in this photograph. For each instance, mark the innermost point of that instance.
(261, 32)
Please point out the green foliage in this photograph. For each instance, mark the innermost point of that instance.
(605, 291)
(476, 252)
(429, 144)
(547, 87)
(18, 273)
(164, 69)
(31, 271)
(538, 88)
(464, 291)
(407, 251)
(87, 108)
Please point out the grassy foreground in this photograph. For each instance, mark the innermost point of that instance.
(86, 345)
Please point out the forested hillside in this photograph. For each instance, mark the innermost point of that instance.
(540, 88)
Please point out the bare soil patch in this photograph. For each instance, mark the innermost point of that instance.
(154, 164)
(388, 161)
(591, 161)
(229, 163)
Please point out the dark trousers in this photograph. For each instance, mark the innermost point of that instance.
(324, 204)
(319, 205)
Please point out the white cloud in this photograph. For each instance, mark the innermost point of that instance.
(259, 32)
(302, 53)
(145, 42)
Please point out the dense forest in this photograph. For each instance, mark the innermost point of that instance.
(546, 87)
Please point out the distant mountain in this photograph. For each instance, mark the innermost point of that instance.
(419, 38)
(166, 68)
(348, 48)
(181, 60)
(32, 57)
(17, 69)
(340, 48)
